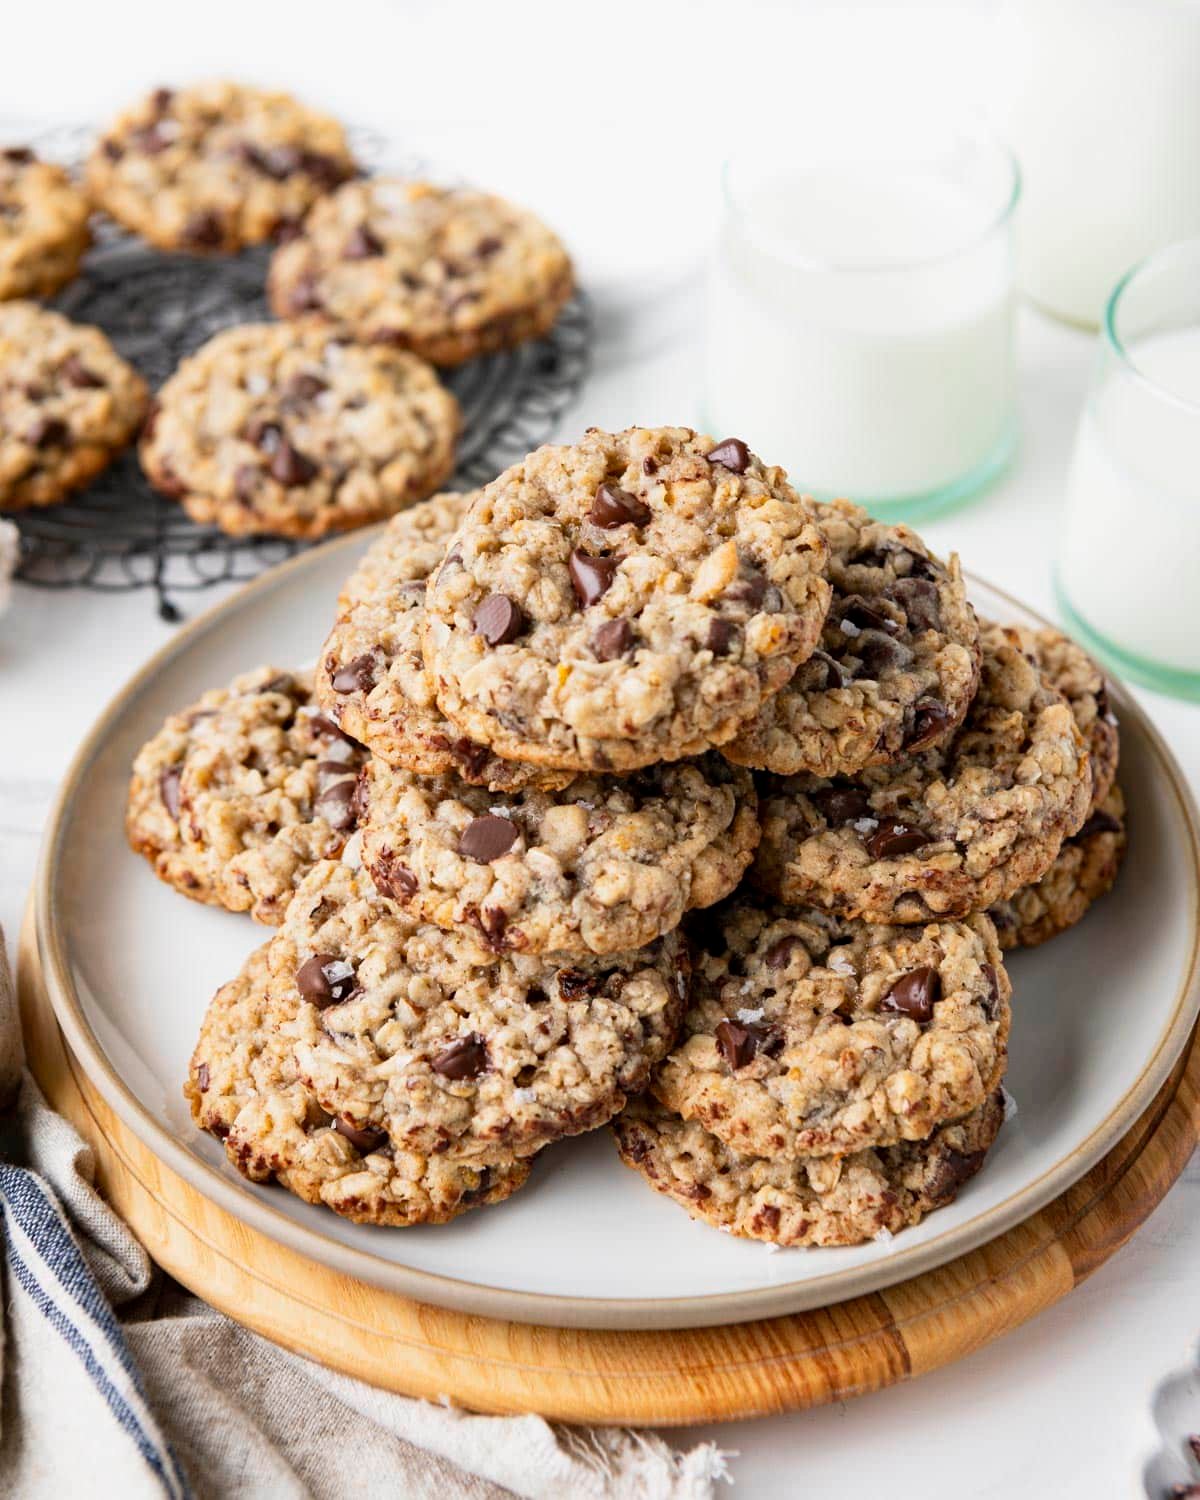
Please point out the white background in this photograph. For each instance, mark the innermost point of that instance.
(611, 120)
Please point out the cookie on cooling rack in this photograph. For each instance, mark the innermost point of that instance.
(290, 430)
(215, 166)
(828, 1200)
(43, 225)
(447, 1047)
(236, 798)
(68, 405)
(244, 1087)
(448, 272)
(628, 599)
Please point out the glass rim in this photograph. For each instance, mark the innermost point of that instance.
(976, 137)
(1156, 260)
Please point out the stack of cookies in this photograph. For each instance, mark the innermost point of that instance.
(635, 788)
(329, 419)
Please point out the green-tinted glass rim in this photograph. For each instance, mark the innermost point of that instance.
(1152, 262)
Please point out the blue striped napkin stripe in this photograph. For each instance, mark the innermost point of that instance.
(46, 1264)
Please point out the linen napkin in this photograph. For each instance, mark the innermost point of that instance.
(168, 1398)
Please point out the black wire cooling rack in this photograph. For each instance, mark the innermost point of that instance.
(118, 534)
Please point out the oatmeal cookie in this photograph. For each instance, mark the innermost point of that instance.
(828, 1200)
(447, 272)
(951, 830)
(43, 225)
(244, 1088)
(604, 865)
(276, 428)
(897, 666)
(235, 799)
(426, 1035)
(626, 600)
(68, 405)
(371, 677)
(216, 166)
(809, 1035)
(1072, 672)
(1085, 870)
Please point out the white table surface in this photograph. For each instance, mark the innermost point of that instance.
(622, 159)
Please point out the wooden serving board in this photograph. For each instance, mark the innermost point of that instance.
(580, 1375)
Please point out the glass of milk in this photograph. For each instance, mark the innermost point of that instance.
(860, 314)
(1128, 575)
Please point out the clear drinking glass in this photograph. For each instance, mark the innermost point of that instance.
(1128, 575)
(860, 318)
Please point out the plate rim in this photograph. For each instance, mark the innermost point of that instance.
(551, 1308)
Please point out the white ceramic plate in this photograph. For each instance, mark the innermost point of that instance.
(1100, 1016)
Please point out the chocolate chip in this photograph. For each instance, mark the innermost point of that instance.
(76, 373)
(264, 432)
(363, 1141)
(465, 1057)
(993, 983)
(1099, 822)
(720, 636)
(19, 155)
(841, 804)
(246, 480)
(149, 140)
(286, 229)
(591, 577)
(612, 640)
(325, 980)
(930, 721)
(737, 1044)
(203, 1078)
(276, 162)
(322, 725)
(859, 613)
(47, 432)
(168, 789)
(204, 230)
(471, 757)
(327, 171)
(949, 1171)
(649, 465)
(617, 507)
(362, 244)
(918, 598)
(488, 246)
(879, 653)
(750, 589)
(303, 296)
(336, 804)
(732, 454)
(820, 673)
(779, 954)
(487, 838)
(290, 466)
(498, 620)
(393, 878)
(914, 994)
(303, 388)
(113, 150)
(492, 924)
(574, 984)
(357, 676)
(893, 837)
(160, 100)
